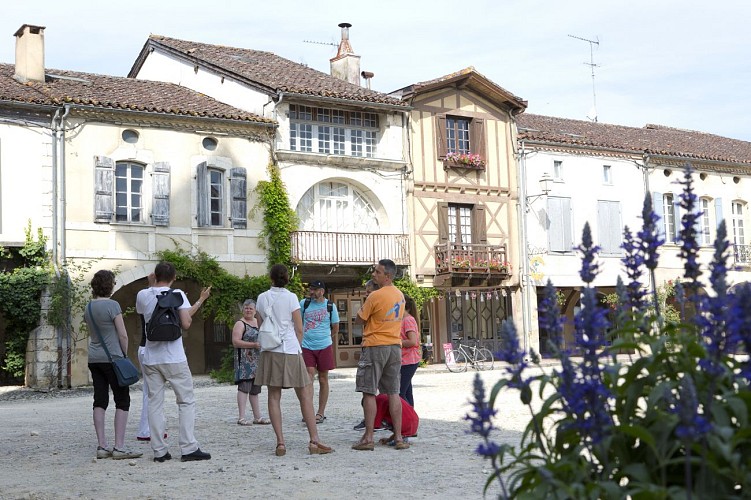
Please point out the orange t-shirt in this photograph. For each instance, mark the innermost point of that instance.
(383, 312)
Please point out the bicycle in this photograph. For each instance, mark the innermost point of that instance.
(480, 357)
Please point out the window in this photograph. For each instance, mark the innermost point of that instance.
(739, 237)
(458, 134)
(312, 131)
(607, 175)
(336, 207)
(121, 193)
(214, 200)
(558, 170)
(560, 224)
(609, 226)
(705, 237)
(460, 223)
(128, 192)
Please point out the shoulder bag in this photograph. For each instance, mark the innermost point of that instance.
(269, 335)
(125, 370)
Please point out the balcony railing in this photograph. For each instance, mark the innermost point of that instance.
(476, 259)
(742, 254)
(349, 248)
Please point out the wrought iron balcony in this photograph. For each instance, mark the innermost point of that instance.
(349, 248)
(742, 254)
(473, 259)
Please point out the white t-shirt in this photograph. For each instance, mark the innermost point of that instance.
(163, 352)
(285, 303)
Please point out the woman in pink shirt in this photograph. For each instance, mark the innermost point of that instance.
(410, 349)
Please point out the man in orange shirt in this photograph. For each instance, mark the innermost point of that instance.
(381, 359)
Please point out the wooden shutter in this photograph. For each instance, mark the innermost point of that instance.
(609, 226)
(659, 211)
(560, 231)
(160, 182)
(239, 198)
(440, 136)
(443, 222)
(479, 225)
(718, 211)
(202, 195)
(477, 142)
(104, 183)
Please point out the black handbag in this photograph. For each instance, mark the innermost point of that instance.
(125, 370)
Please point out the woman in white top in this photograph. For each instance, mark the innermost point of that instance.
(283, 367)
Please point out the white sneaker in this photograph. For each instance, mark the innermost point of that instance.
(125, 454)
(103, 452)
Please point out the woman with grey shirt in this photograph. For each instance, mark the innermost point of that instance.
(104, 319)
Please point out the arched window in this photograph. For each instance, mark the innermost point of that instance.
(336, 207)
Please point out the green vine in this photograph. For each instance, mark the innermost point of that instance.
(279, 220)
(69, 294)
(20, 299)
(421, 295)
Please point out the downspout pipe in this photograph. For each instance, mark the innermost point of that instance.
(521, 208)
(62, 254)
(55, 248)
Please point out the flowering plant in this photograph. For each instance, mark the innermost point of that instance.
(469, 159)
(671, 421)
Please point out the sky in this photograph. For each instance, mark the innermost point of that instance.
(678, 63)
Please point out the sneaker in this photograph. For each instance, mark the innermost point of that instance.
(103, 452)
(163, 458)
(148, 438)
(196, 455)
(360, 426)
(125, 454)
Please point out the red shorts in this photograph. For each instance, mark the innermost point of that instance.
(322, 360)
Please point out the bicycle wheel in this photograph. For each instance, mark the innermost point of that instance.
(456, 361)
(484, 359)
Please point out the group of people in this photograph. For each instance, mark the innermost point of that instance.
(389, 358)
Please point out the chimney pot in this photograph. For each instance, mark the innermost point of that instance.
(29, 53)
(346, 65)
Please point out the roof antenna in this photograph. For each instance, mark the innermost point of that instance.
(592, 66)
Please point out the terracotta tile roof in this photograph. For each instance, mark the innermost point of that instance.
(269, 71)
(111, 92)
(651, 139)
(474, 79)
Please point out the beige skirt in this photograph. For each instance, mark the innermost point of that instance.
(277, 369)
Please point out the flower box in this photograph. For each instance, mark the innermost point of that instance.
(465, 160)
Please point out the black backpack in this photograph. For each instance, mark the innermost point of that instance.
(164, 324)
(329, 308)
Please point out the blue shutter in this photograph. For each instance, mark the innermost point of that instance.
(239, 198)
(568, 230)
(202, 194)
(104, 184)
(161, 191)
(718, 211)
(560, 233)
(659, 210)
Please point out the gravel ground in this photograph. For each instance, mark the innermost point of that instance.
(47, 447)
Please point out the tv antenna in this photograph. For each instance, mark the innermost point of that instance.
(321, 43)
(592, 66)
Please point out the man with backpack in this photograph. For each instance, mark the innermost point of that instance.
(320, 321)
(167, 312)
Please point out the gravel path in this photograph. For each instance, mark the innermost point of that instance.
(47, 447)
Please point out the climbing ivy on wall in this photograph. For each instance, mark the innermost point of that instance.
(421, 295)
(20, 299)
(279, 220)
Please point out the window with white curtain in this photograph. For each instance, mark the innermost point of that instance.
(336, 207)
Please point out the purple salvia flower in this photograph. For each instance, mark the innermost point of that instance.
(688, 235)
(649, 236)
(632, 261)
(692, 425)
(549, 314)
(739, 322)
(512, 353)
(481, 415)
(590, 268)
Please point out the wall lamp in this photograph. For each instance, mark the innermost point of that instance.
(546, 185)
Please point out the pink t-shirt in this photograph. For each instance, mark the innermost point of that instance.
(410, 355)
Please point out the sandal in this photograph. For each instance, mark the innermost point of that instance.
(243, 421)
(402, 445)
(261, 421)
(281, 450)
(363, 446)
(315, 448)
(320, 418)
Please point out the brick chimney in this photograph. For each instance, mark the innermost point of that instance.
(346, 65)
(29, 53)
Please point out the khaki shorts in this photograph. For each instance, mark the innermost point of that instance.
(379, 369)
